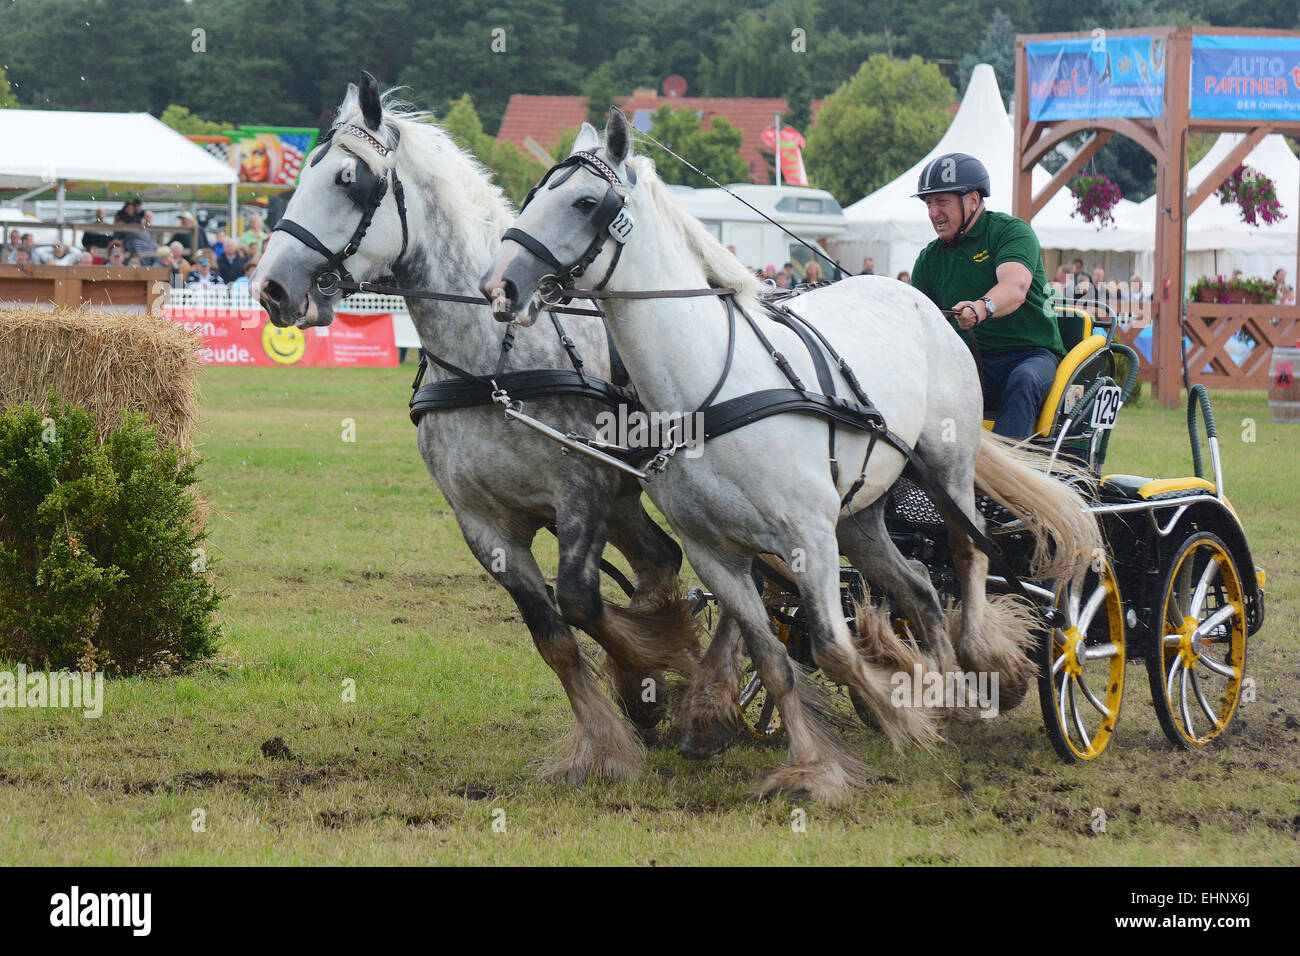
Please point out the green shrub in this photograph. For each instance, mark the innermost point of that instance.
(101, 558)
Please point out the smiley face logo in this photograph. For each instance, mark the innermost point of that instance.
(284, 346)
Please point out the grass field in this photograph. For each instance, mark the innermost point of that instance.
(341, 561)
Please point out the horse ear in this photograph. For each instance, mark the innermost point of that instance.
(618, 137)
(371, 111)
(588, 139)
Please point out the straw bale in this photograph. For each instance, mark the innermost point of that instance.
(107, 363)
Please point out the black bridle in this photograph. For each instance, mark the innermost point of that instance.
(611, 220)
(367, 191)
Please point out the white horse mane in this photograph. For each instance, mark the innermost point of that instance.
(719, 264)
(477, 208)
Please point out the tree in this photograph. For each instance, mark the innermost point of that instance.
(716, 151)
(998, 50)
(185, 122)
(878, 124)
(512, 169)
(7, 99)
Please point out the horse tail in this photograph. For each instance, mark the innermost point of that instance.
(1066, 534)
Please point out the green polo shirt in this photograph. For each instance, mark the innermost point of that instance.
(967, 270)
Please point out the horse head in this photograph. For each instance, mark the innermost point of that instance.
(571, 229)
(346, 220)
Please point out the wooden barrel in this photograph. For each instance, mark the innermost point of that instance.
(1284, 385)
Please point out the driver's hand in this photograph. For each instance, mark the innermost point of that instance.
(968, 314)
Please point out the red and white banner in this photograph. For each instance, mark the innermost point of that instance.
(246, 337)
(792, 144)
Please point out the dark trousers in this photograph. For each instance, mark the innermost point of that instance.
(1016, 383)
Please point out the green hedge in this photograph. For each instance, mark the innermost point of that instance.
(102, 564)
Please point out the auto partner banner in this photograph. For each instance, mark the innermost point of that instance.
(1096, 77)
(246, 337)
(1245, 77)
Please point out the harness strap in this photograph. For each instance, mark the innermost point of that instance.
(824, 378)
(729, 302)
(744, 410)
(781, 361)
(533, 246)
(456, 393)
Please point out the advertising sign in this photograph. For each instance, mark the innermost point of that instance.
(1100, 76)
(1245, 77)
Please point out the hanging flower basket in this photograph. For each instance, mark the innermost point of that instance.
(1255, 193)
(1094, 198)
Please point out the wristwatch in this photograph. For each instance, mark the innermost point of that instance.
(988, 304)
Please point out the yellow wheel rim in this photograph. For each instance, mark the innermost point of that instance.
(1203, 642)
(1086, 660)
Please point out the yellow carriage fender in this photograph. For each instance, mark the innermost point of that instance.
(1064, 372)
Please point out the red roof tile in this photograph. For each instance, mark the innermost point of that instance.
(545, 118)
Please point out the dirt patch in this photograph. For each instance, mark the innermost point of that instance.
(276, 749)
(474, 791)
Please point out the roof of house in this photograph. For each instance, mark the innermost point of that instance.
(545, 118)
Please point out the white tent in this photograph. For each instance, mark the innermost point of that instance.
(1218, 241)
(40, 147)
(892, 226)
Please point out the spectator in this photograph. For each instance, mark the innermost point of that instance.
(96, 240)
(254, 237)
(15, 240)
(108, 253)
(230, 264)
(22, 257)
(868, 266)
(1286, 295)
(1083, 288)
(769, 273)
(219, 247)
(163, 257)
(58, 254)
(241, 284)
(1279, 279)
(202, 275)
(786, 279)
(812, 272)
(25, 242)
(186, 239)
(179, 261)
(116, 255)
(1078, 267)
(904, 276)
(141, 244)
(1099, 277)
(135, 261)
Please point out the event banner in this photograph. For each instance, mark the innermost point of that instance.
(247, 337)
(1100, 76)
(272, 155)
(1245, 77)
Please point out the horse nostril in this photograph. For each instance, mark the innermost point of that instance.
(272, 292)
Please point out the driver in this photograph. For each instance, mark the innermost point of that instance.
(987, 267)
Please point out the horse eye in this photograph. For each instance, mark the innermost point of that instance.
(585, 204)
(344, 177)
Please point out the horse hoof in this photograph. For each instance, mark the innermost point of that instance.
(704, 746)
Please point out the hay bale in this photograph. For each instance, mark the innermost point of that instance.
(107, 363)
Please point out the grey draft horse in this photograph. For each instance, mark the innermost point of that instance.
(766, 488)
(503, 481)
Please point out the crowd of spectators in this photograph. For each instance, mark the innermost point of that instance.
(229, 261)
(1078, 286)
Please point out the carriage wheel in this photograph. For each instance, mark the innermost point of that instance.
(1081, 666)
(1196, 670)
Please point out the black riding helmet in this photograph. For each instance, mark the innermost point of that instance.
(958, 173)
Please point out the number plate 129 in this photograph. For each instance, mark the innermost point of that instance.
(1106, 408)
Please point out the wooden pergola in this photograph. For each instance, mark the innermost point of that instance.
(1165, 138)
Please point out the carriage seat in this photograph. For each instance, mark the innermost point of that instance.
(1138, 488)
(1084, 360)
